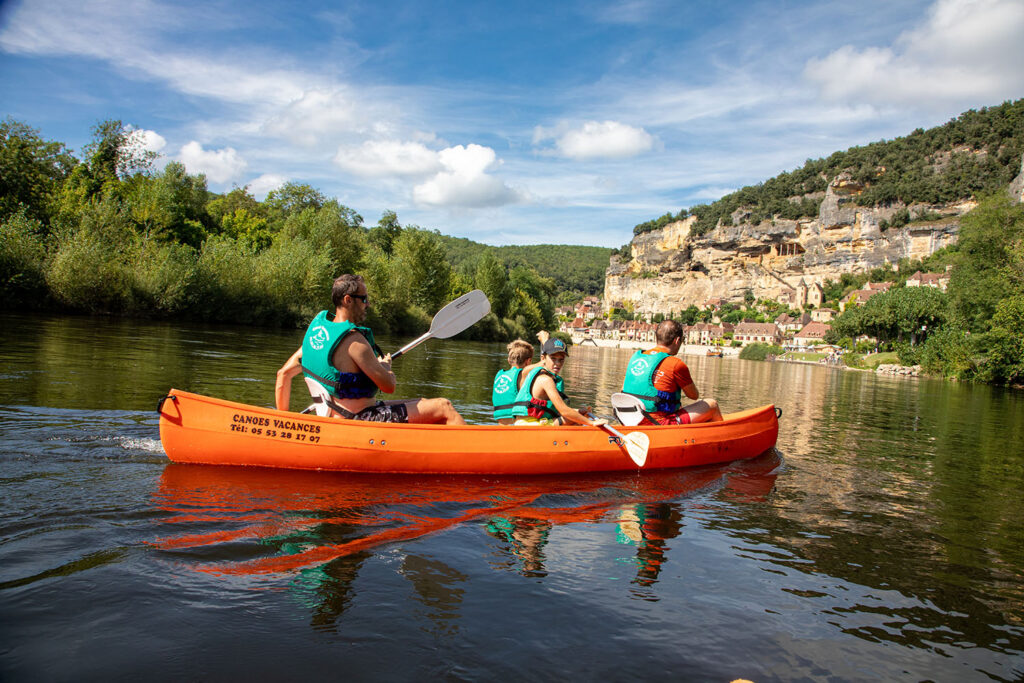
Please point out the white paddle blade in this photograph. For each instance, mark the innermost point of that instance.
(637, 445)
(460, 314)
(628, 409)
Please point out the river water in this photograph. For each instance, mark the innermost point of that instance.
(883, 540)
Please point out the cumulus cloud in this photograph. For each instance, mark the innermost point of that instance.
(220, 165)
(263, 185)
(389, 158)
(597, 140)
(966, 51)
(149, 140)
(464, 181)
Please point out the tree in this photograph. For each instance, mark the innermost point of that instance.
(420, 269)
(384, 234)
(290, 199)
(31, 170)
(115, 153)
(1005, 344)
(334, 227)
(492, 278)
(988, 262)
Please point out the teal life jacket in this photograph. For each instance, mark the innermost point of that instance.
(525, 405)
(321, 339)
(639, 382)
(503, 394)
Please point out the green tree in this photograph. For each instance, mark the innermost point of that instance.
(290, 199)
(988, 267)
(31, 171)
(420, 269)
(334, 227)
(384, 234)
(492, 278)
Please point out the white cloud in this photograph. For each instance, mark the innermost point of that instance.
(967, 51)
(598, 140)
(465, 182)
(220, 165)
(317, 114)
(389, 158)
(263, 185)
(149, 140)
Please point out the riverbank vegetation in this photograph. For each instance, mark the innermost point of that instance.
(111, 234)
(975, 330)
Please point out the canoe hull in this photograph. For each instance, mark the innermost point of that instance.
(204, 430)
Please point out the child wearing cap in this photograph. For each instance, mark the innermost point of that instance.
(540, 399)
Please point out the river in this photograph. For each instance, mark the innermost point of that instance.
(882, 540)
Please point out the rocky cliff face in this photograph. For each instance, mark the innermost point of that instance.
(671, 269)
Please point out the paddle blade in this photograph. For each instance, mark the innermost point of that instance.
(460, 314)
(637, 445)
(628, 409)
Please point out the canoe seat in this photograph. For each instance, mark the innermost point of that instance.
(320, 398)
(629, 410)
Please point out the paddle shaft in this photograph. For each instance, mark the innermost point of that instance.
(413, 344)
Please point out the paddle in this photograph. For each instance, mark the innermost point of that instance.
(636, 443)
(452, 319)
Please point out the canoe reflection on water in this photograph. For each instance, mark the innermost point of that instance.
(253, 521)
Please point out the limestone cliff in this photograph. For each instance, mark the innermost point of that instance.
(671, 268)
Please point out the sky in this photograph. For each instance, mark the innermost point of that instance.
(564, 122)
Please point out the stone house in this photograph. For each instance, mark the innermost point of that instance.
(938, 280)
(812, 334)
(764, 333)
(822, 315)
(788, 323)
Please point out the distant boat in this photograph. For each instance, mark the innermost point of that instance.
(714, 353)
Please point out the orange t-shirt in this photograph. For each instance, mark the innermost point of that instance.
(672, 373)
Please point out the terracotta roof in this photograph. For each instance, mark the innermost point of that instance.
(813, 331)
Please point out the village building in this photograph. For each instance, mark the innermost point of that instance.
(705, 334)
(788, 323)
(861, 296)
(812, 334)
(764, 333)
(823, 315)
(937, 280)
(802, 295)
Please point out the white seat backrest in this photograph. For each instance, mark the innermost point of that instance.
(320, 397)
(628, 409)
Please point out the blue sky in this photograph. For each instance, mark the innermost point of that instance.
(507, 123)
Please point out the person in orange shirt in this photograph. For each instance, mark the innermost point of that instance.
(659, 379)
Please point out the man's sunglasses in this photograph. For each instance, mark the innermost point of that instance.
(365, 298)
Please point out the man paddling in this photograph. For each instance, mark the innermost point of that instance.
(343, 357)
(659, 378)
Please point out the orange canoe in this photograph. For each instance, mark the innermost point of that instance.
(204, 430)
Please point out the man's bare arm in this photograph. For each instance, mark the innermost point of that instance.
(283, 387)
(378, 370)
